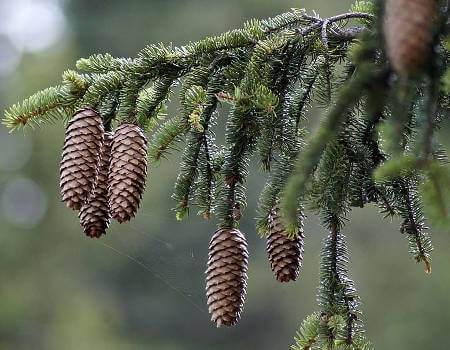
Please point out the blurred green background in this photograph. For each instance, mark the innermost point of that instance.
(142, 287)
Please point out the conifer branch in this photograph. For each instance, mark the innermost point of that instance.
(388, 207)
(305, 96)
(208, 201)
(337, 295)
(309, 158)
(190, 163)
(166, 136)
(108, 116)
(157, 61)
(42, 104)
(307, 334)
(410, 209)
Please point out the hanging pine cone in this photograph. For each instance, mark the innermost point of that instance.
(94, 214)
(80, 157)
(285, 254)
(127, 172)
(226, 276)
(408, 31)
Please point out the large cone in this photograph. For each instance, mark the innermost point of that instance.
(408, 32)
(127, 172)
(80, 157)
(94, 214)
(285, 254)
(226, 276)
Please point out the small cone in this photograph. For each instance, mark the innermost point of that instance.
(285, 254)
(80, 157)
(94, 214)
(408, 32)
(226, 276)
(127, 172)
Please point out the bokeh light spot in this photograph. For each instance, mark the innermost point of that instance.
(23, 203)
(31, 25)
(9, 55)
(16, 150)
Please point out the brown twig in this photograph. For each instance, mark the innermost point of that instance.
(318, 22)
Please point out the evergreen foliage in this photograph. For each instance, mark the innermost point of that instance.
(376, 142)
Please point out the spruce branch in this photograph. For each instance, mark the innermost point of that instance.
(307, 334)
(190, 162)
(38, 108)
(102, 63)
(413, 225)
(152, 103)
(158, 61)
(101, 86)
(165, 137)
(337, 294)
(110, 109)
(205, 200)
(304, 97)
(386, 203)
(309, 158)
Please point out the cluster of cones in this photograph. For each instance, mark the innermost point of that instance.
(103, 174)
(226, 275)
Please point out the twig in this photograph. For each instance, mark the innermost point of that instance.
(416, 229)
(348, 33)
(209, 175)
(318, 22)
(304, 99)
(388, 205)
(350, 15)
(323, 34)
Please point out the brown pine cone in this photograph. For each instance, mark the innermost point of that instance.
(94, 214)
(226, 276)
(408, 32)
(127, 172)
(80, 157)
(285, 254)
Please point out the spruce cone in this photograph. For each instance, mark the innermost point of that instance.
(94, 214)
(285, 254)
(408, 31)
(226, 276)
(127, 172)
(80, 157)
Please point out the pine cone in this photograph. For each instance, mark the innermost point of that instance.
(226, 276)
(94, 214)
(285, 254)
(80, 157)
(127, 172)
(408, 31)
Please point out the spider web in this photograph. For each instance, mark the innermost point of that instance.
(173, 260)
